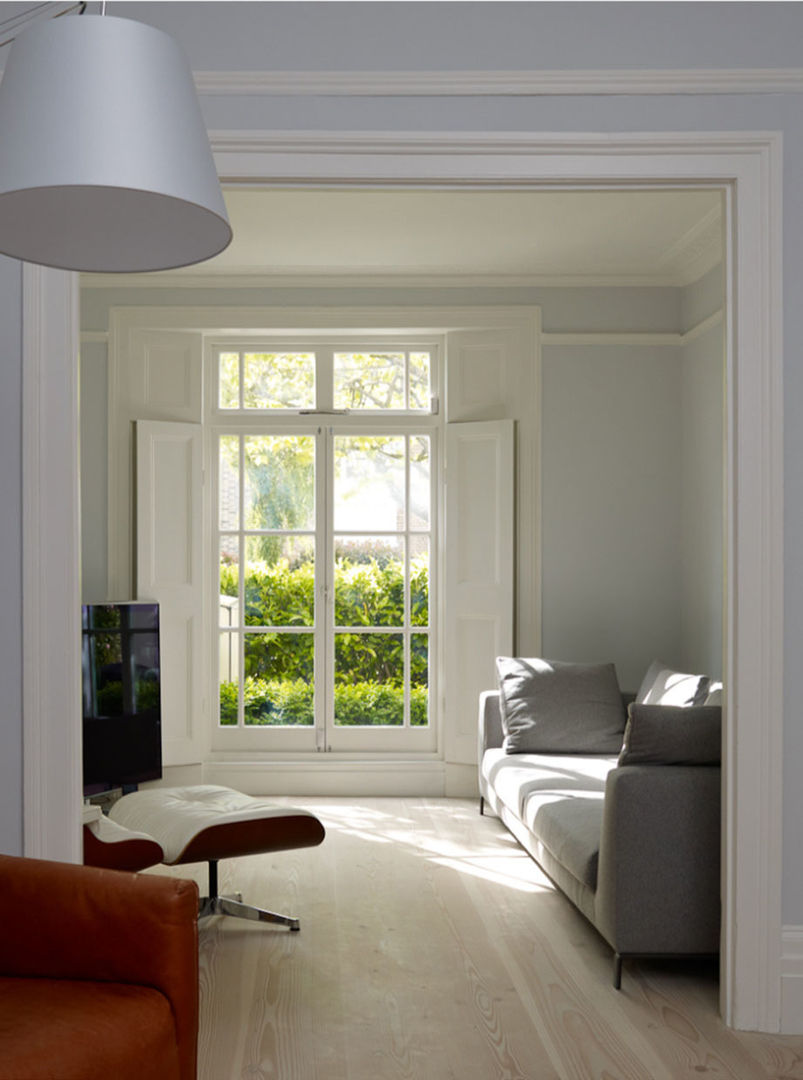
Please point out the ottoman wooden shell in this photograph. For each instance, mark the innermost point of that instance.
(206, 823)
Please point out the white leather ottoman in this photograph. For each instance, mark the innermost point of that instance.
(206, 823)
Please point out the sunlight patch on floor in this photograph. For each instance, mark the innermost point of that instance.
(493, 870)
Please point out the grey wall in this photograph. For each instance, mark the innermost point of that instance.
(10, 558)
(610, 507)
(493, 36)
(702, 468)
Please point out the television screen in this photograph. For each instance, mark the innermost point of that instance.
(121, 694)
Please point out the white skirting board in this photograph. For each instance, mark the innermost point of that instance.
(792, 980)
(325, 776)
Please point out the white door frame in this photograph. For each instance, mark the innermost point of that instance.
(748, 167)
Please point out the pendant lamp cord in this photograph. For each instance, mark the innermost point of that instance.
(18, 23)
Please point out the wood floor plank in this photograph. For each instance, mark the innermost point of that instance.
(433, 948)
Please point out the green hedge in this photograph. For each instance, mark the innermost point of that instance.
(368, 592)
(369, 670)
(290, 702)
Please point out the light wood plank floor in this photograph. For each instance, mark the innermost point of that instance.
(432, 948)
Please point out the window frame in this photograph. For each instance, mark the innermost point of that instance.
(325, 423)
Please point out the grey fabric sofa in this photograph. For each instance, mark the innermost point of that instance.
(635, 847)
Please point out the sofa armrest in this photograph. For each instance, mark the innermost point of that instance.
(491, 735)
(658, 881)
(81, 922)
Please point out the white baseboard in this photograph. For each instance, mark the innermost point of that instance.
(461, 781)
(792, 980)
(327, 777)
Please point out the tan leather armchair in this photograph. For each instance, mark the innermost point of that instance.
(98, 973)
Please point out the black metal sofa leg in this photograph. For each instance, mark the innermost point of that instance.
(617, 971)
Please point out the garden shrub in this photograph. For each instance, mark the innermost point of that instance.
(369, 688)
(276, 702)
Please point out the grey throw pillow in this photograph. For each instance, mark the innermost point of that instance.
(663, 685)
(672, 735)
(551, 707)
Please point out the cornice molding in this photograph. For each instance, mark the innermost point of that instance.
(697, 251)
(375, 143)
(376, 279)
(500, 83)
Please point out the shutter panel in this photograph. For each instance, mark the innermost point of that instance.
(478, 609)
(169, 570)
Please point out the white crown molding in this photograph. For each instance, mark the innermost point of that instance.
(242, 278)
(697, 251)
(500, 83)
(322, 145)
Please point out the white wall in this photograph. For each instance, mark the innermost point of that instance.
(10, 559)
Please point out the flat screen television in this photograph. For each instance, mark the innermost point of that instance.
(121, 695)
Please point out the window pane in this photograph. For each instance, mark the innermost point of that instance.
(279, 581)
(419, 680)
(419, 482)
(279, 687)
(228, 677)
(369, 679)
(369, 483)
(229, 567)
(280, 482)
(420, 392)
(369, 581)
(229, 482)
(369, 380)
(419, 581)
(279, 380)
(229, 380)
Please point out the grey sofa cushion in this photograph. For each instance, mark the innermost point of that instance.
(570, 827)
(664, 686)
(672, 735)
(555, 707)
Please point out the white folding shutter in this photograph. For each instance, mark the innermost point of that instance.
(478, 608)
(169, 570)
(492, 374)
(153, 375)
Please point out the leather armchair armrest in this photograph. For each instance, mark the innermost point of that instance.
(81, 922)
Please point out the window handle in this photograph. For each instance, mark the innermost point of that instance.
(323, 412)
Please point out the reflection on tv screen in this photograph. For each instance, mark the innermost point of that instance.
(121, 694)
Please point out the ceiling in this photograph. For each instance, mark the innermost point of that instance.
(655, 237)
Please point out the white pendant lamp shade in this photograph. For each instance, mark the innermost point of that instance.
(105, 162)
